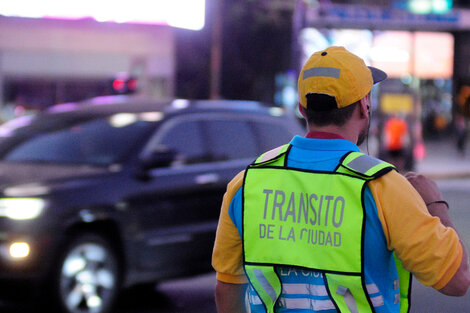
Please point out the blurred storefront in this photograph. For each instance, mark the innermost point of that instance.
(416, 50)
(54, 52)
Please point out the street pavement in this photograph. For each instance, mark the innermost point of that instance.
(187, 295)
(442, 161)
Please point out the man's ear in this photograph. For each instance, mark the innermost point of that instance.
(302, 110)
(365, 106)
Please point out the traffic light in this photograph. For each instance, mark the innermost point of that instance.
(124, 85)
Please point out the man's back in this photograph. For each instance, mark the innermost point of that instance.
(305, 289)
(405, 215)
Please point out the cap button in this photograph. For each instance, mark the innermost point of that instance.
(323, 53)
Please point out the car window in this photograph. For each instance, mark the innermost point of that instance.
(98, 141)
(185, 139)
(271, 135)
(230, 139)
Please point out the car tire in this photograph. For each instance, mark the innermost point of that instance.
(88, 276)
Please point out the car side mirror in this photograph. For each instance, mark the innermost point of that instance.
(158, 158)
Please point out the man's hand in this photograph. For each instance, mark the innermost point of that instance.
(426, 187)
(429, 191)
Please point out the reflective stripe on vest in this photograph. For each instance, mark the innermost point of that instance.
(304, 294)
(266, 283)
(404, 284)
(272, 154)
(365, 165)
(348, 293)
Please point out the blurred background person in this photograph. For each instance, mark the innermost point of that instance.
(20, 106)
(461, 133)
(396, 140)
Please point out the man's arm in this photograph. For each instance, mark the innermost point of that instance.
(230, 298)
(429, 191)
(227, 257)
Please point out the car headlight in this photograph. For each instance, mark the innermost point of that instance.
(21, 208)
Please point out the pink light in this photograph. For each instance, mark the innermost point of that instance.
(132, 84)
(118, 84)
(177, 13)
(431, 62)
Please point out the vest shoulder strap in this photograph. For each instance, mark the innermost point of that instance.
(272, 155)
(365, 165)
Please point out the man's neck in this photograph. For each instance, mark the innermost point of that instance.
(334, 131)
(322, 135)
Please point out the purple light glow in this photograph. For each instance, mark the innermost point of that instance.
(188, 14)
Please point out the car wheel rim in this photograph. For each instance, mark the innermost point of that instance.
(88, 278)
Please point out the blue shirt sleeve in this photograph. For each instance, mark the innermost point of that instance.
(235, 210)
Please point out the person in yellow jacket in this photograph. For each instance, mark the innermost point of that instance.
(317, 226)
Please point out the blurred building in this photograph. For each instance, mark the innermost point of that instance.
(419, 43)
(51, 54)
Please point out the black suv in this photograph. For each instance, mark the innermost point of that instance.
(118, 191)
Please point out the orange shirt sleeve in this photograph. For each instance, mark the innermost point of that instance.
(428, 249)
(227, 258)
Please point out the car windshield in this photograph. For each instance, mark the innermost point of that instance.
(91, 140)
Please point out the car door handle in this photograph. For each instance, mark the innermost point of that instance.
(209, 178)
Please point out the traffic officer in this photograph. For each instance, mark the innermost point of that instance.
(317, 226)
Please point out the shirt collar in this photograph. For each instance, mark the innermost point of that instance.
(322, 143)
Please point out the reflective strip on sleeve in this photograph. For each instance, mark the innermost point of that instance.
(306, 304)
(304, 289)
(254, 299)
(322, 72)
(372, 288)
(320, 290)
(397, 298)
(377, 301)
(265, 284)
(396, 284)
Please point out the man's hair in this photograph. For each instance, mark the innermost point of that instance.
(322, 110)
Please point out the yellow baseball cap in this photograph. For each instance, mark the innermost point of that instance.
(338, 73)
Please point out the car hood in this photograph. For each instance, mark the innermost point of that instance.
(24, 173)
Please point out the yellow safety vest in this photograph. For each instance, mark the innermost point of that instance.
(313, 220)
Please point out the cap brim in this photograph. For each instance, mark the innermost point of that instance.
(377, 75)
